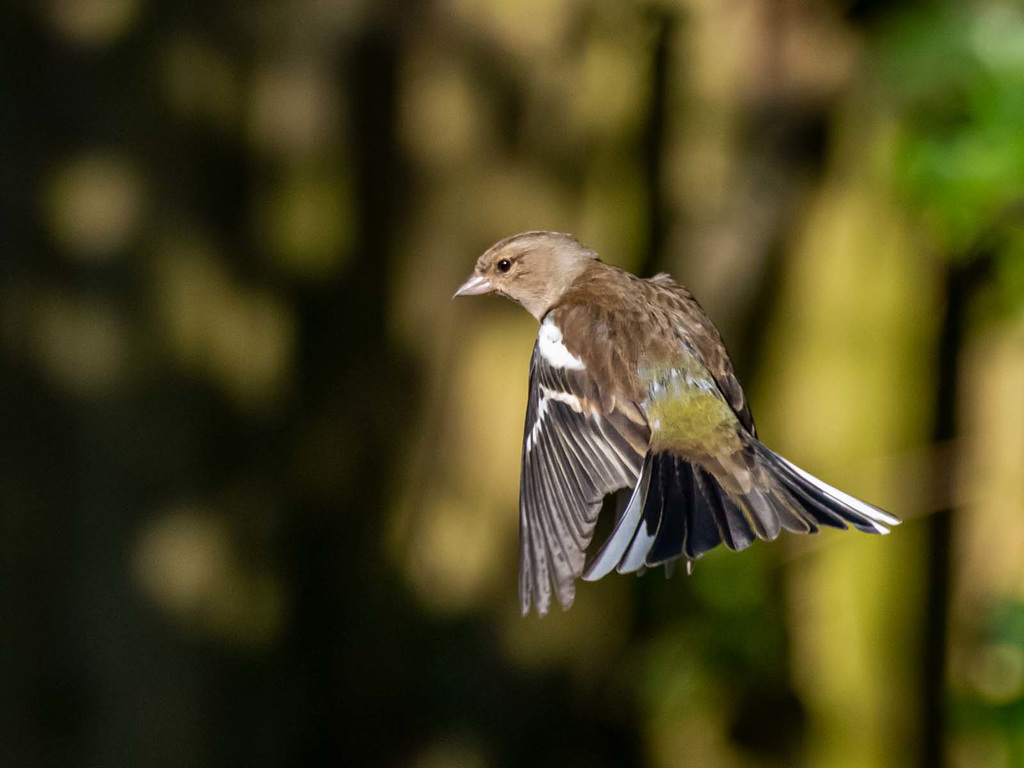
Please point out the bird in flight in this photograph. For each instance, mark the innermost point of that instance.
(631, 388)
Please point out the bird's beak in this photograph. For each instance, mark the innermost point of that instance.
(477, 285)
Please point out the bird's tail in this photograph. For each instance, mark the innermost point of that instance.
(823, 503)
(682, 509)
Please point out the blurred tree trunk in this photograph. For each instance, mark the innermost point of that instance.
(353, 378)
(961, 281)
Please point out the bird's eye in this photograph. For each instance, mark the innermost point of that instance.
(504, 265)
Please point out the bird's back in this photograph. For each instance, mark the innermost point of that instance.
(623, 327)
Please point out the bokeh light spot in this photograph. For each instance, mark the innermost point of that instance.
(92, 23)
(200, 82)
(307, 224)
(81, 344)
(292, 109)
(94, 205)
(242, 338)
(452, 565)
(443, 118)
(182, 558)
(527, 27)
(458, 751)
(997, 672)
(186, 562)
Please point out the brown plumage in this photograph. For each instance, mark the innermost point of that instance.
(631, 388)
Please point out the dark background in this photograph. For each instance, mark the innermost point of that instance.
(258, 475)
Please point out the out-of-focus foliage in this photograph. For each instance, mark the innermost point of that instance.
(955, 72)
(989, 706)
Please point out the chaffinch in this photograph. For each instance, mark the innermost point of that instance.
(631, 388)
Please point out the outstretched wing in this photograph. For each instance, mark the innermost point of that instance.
(576, 449)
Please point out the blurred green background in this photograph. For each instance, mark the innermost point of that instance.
(258, 475)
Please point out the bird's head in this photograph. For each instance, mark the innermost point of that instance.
(531, 268)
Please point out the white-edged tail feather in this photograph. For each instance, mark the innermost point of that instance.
(816, 494)
(879, 517)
